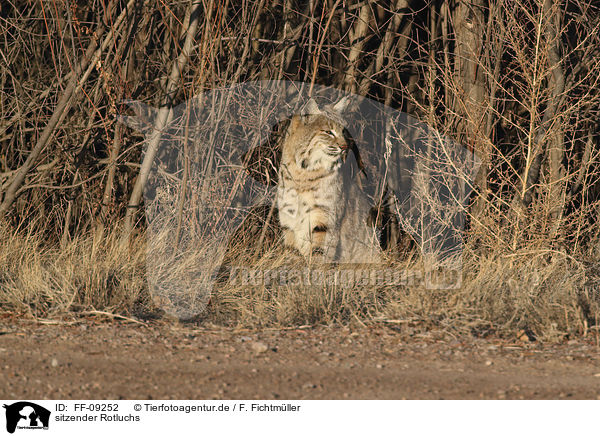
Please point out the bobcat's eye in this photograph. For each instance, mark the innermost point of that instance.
(329, 133)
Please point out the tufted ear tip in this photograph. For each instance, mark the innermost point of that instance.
(342, 105)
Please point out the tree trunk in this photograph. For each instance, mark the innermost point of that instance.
(471, 104)
(162, 118)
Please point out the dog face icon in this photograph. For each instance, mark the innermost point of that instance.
(28, 414)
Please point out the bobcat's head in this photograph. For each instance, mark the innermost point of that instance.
(314, 140)
(315, 143)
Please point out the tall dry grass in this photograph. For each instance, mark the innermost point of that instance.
(94, 271)
(549, 294)
(514, 80)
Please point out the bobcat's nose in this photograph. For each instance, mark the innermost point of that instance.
(337, 149)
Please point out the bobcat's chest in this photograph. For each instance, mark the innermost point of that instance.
(307, 210)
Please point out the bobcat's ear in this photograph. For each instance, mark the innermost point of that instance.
(311, 108)
(341, 105)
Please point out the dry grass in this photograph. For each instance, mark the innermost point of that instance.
(518, 84)
(93, 271)
(546, 293)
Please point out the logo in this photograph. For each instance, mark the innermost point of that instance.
(26, 415)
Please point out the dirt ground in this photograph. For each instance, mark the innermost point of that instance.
(117, 360)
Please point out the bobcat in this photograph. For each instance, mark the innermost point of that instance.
(322, 210)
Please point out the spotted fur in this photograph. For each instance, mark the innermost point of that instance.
(322, 210)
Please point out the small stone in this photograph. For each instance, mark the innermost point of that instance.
(322, 359)
(54, 362)
(259, 347)
(488, 363)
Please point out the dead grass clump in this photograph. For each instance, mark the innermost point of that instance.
(294, 305)
(538, 291)
(94, 271)
(548, 293)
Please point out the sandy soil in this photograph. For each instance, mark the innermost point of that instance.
(115, 360)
